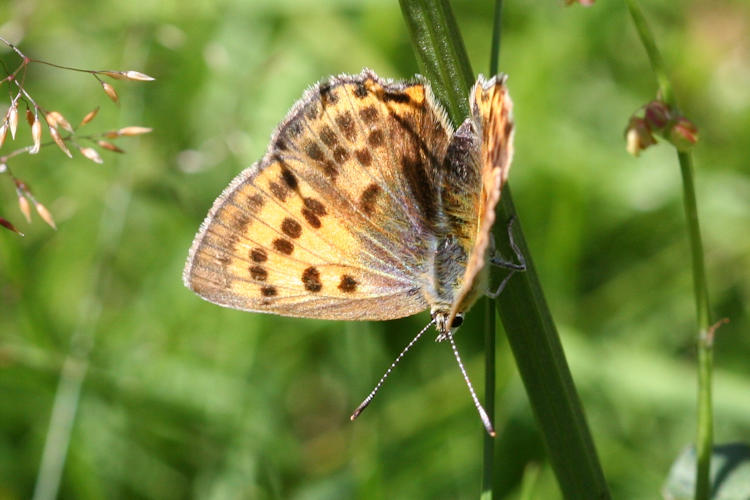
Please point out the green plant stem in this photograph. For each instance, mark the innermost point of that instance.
(647, 39)
(488, 459)
(696, 244)
(524, 312)
(704, 437)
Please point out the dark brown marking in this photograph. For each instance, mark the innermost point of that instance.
(311, 110)
(239, 221)
(269, 291)
(278, 190)
(369, 114)
(368, 198)
(315, 206)
(281, 144)
(363, 157)
(311, 279)
(259, 273)
(311, 218)
(283, 246)
(328, 136)
(293, 128)
(258, 255)
(255, 202)
(327, 96)
(291, 228)
(346, 125)
(360, 90)
(340, 155)
(348, 284)
(375, 139)
(508, 128)
(417, 177)
(288, 177)
(400, 97)
(313, 151)
(330, 169)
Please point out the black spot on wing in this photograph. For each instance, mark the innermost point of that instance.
(368, 198)
(399, 97)
(348, 284)
(291, 228)
(345, 122)
(311, 279)
(258, 255)
(284, 246)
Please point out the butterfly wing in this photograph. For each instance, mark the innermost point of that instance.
(336, 220)
(492, 112)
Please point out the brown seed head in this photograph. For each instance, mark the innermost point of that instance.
(638, 136)
(90, 116)
(13, 119)
(111, 93)
(138, 76)
(128, 75)
(108, 145)
(3, 133)
(36, 134)
(7, 225)
(683, 134)
(92, 154)
(23, 205)
(44, 214)
(658, 115)
(134, 130)
(59, 141)
(59, 120)
(117, 75)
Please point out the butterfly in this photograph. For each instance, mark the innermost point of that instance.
(367, 205)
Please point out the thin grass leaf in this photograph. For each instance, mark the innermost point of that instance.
(524, 312)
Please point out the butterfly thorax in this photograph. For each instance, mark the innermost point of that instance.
(449, 268)
(458, 223)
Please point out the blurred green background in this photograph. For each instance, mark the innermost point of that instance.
(180, 398)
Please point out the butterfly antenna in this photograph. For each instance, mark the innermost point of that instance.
(482, 414)
(396, 361)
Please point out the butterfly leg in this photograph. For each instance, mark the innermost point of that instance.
(497, 260)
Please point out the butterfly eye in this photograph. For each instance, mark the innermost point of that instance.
(458, 321)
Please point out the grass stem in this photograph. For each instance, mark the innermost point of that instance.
(490, 328)
(528, 323)
(704, 436)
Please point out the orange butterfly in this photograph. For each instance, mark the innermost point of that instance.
(367, 205)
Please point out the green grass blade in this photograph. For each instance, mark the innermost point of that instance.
(524, 312)
(490, 329)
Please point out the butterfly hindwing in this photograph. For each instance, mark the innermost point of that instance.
(492, 113)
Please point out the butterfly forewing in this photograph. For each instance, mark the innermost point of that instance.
(337, 220)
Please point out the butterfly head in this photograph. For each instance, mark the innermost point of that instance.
(441, 323)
